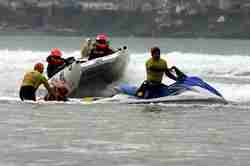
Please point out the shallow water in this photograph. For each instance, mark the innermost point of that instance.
(104, 134)
(73, 133)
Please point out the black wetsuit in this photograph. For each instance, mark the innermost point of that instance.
(54, 63)
(27, 93)
(57, 64)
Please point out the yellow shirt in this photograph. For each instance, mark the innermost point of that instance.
(156, 69)
(35, 79)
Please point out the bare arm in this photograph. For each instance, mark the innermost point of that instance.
(50, 90)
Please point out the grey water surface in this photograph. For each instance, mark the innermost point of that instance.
(125, 135)
(76, 134)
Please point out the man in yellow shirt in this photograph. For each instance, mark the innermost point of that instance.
(31, 81)
(156, 67)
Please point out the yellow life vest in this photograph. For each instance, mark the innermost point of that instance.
(34, 78)
(156, 69)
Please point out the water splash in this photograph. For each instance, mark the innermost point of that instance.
(229, 74)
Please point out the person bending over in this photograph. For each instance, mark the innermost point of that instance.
(31, 81)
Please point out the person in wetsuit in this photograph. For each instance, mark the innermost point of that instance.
(31, 81)
(156, 67)
(55, 62)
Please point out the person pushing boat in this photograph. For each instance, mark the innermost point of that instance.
(31, 82)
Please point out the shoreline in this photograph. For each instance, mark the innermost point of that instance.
(63, 32)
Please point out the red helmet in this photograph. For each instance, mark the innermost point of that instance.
(102, 37)
(102, 41)
(56, 52)
(39, 67)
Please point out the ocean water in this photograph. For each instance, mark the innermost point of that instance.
(74, 133)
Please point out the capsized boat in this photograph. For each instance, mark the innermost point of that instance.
(67, 79)
(86, 77)
(97, 74)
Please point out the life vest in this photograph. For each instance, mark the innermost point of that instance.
(34, 79)
(55, 60)
(156, 69)
(100, 52)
